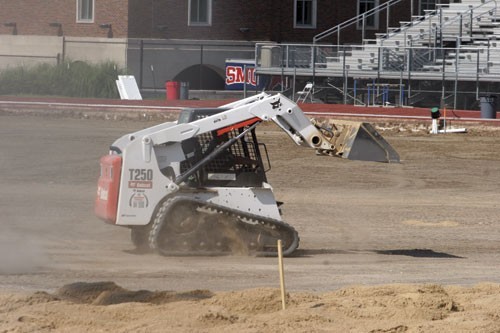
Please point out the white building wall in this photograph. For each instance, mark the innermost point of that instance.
(30, 50)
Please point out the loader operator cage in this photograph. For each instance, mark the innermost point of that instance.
(239, 165)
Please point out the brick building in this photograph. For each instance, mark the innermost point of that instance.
(277, 20)
(112, 29)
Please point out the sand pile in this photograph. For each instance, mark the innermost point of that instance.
(107, 293)
(105, 306)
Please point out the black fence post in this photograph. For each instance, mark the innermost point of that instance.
(201, 67)
(141, 60)
(63, 56)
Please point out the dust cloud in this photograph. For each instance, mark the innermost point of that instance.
(20, 254)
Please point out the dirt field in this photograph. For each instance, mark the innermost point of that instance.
(384, 247)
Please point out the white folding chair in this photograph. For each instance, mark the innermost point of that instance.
(305, 93)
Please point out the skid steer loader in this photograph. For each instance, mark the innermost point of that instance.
(198, 186)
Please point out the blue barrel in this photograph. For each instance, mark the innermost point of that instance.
(488, 106)
(184, 91)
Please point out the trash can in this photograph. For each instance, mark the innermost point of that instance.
(488, 106)
(184, 93)
(172, 90)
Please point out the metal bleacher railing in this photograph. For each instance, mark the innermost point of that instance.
(359, 20)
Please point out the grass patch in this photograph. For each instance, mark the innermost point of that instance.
(70, 78)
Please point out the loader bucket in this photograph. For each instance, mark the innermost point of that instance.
(359, 141)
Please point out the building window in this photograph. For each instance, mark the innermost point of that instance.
(427, 5)
(85, 10)
(305, 13)
(370, 21)
(200, 12)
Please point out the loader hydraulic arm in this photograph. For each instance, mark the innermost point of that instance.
(353, 140)
(292, 120)
(347, 139)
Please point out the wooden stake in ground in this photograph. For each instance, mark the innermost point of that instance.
(282, 275)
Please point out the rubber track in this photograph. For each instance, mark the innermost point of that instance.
(268, 223)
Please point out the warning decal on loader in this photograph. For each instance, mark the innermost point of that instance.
(139, 200)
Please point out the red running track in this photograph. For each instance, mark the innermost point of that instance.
(310, 109)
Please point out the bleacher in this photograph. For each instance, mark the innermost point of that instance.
(456, 41)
